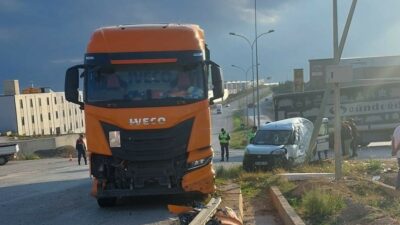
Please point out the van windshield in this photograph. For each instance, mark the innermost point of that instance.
(272, 137)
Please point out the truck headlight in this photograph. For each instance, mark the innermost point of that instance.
(198, 163)
(114, 138)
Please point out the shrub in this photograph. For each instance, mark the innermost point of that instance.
(32, 156)
(228, 173)
(374, 167)
(319, 205)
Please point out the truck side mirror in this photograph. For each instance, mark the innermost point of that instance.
(216, 76)
(72, 85)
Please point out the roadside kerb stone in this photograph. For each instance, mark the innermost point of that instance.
(390, 190)
(306, 176)
(285, 211)
(232, 198)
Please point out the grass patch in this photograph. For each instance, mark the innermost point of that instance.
(228, 173)
(318, 205)
(32, 156)
(254, 183)
(239, 133)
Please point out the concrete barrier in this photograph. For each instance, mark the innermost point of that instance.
(285, 211)
(28, 147)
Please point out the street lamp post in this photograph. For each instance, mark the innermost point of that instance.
(251, 44)
(247, 108)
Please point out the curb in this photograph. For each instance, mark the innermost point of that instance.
(285, 211)
(307, 176)
(390, 190)
(233, 199)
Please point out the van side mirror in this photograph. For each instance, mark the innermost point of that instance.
(217, 82)
(72, 85)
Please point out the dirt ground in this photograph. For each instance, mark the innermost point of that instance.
(259, 210)
(357, 197)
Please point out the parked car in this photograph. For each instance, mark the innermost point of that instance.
(219, 108)
(279, 143)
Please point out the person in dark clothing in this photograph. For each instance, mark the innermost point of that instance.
(346, 137)
(355, 135)
(81, 148)
(224, 142)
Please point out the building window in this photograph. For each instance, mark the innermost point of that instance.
(21, 104)
(33, 119)
(62, 99)
(82, 123)
(31, 103)
(76, 112)
(63, 113)
(56, 114)
(65, 128)
(49, 116)
(76, 124)
(55, 100)
(69, 112)
(70, 126)
(48, 101)
(42, 132)
(41, 118)
(40, 102)
(23, 121)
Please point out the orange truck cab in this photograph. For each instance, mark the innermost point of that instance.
(147, 115)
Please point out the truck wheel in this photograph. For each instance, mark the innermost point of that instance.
(3, 160)
(106, 202)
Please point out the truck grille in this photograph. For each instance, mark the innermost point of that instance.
(152, 145)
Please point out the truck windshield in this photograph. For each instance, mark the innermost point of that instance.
(146, 84)
(272, 137)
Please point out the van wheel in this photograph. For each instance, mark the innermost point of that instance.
(3, 160)
(106, 202)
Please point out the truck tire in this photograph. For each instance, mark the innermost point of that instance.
(3, 160)
(106, 202)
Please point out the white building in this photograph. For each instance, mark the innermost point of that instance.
(46, 113)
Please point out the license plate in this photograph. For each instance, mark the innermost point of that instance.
(261, 163)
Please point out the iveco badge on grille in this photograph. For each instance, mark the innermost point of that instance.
(147, 121)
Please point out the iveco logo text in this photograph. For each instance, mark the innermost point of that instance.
(147, 121)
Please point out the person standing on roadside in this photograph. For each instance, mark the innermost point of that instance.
(355, 135)
(224, 142)
(396, 152)
(81, 148)
(251, 134)
(346, 138)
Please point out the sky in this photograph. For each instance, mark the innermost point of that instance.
(40, 39)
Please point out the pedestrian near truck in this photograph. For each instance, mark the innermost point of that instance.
(396, 152)
(81, 148)
(251, 134)
(346, 137)
(355, 137)
(224, 142)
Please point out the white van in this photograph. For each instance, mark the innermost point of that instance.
(277, 143)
